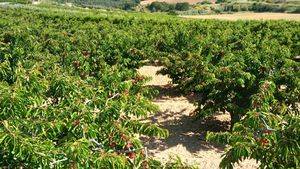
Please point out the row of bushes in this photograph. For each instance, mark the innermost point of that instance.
(122, 4)
(17, 1)
(205, 7)
(247, 69)
(239, 7)
(166, 7)
(260, 7)
(70, 93)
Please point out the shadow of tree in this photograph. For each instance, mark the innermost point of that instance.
(184, 129)
(171, 91)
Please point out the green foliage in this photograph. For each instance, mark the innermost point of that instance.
(260, 7)
(69, 97)
(272, 138)
(295, 10)
(206, 2)
(160, 6)
(123, 4)
(226, 64)
(166, 7)
(172, 163)
(221, 1)
(184, 6)
(242, 68)
(17, 1)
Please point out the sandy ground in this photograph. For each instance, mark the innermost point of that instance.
(186, 134)
(247, 16)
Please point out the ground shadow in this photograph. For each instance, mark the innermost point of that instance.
(170, 91)
(184, 129)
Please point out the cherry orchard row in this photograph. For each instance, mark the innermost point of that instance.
(70, 94)
(70, 77)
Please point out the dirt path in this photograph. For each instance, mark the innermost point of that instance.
(186, 135)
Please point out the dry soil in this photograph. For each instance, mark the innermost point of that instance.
(186, 134)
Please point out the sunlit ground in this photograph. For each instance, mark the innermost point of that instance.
(248, 16)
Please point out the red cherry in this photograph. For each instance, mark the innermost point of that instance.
(126, 92)
(256, 114)
(123, 137)
(131, 155)
(267, 131)
(264, 141)
(128, 145)
(76, 64)
(86, 54)
(76, 122)
(112, 145)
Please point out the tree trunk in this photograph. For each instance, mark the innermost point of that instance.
(234, 118)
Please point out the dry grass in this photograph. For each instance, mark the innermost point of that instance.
(248, 16)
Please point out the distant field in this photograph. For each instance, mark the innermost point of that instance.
(145, 2)
(248, 16)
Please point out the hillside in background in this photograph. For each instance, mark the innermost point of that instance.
(125, 4)
(196, 7)
(146, 2)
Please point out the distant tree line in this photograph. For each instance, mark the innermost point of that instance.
(166, 7)
(262, 7)
(123, 4)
